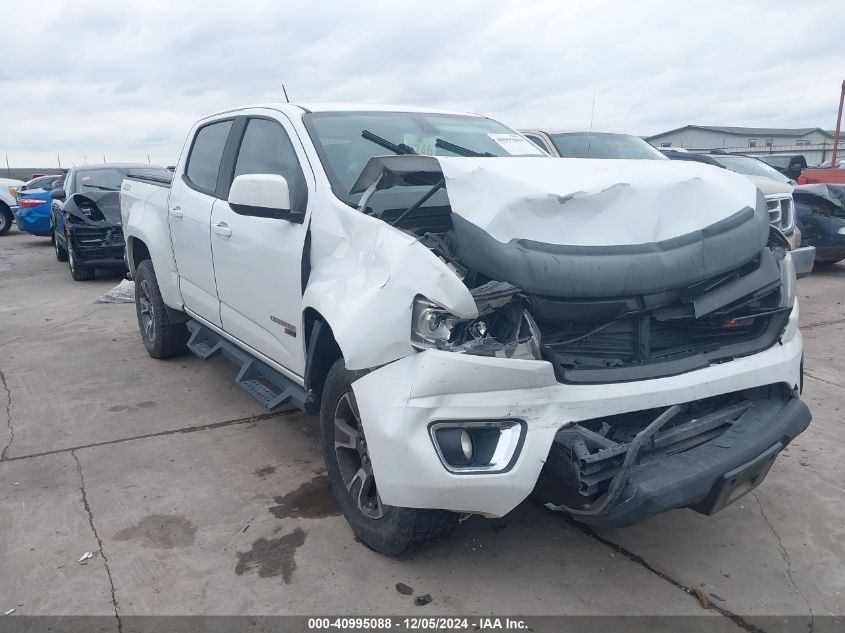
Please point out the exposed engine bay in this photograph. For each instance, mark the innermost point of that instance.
(699, 298)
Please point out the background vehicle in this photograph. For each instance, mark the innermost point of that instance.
(569, 144)
(8, 203)
(405, 273)
(776, 187)
(821, 216)
(35, 202)
(84, 220)
(790, 165)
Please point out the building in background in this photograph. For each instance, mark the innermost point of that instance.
(813, 142)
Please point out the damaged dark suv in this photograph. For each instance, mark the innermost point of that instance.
(85, 225)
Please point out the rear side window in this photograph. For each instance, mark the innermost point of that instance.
(206, 154)
(266, 149)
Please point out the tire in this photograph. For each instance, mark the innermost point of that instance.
(826, 263)
(61, 253)
(162, 337)
(77, 271)
(6, 219)
(386, 529)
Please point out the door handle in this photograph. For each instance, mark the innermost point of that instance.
(222, 229)
(176, 211)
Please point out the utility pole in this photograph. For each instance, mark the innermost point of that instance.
(8, 169)
(59, 160)
(838, 126)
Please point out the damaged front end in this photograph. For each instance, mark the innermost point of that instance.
(643, 290)
(93, 228)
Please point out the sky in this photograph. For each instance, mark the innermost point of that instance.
(124, 80)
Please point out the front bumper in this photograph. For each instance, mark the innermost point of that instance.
(713, 474)
(98, 246)
(399, 401)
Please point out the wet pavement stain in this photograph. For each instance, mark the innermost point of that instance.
(160, 531)
(312, 500)
(120, 408)
(272, 557)
(264, 471)
(146, 404)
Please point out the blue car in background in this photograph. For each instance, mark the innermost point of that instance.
(820, 214)
(34, 202)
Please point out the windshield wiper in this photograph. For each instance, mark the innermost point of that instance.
(458, 149)
(396, 149)
(85, 184)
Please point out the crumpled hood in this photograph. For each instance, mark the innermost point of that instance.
(593, 228)
(592, 202)
(107, 202)
(827, 199)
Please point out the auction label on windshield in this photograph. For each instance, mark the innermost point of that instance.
(515, 145)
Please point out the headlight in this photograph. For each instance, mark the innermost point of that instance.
(787, 282)
(505, 332)
(431, 325)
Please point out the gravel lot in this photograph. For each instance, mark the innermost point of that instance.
(195, 500)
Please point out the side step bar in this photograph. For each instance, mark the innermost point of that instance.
(259, 380)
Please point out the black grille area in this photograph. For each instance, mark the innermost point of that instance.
(635, 338)
(99, 243)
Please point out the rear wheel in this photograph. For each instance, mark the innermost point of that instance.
(162, 337)
(386, 529)
(6, 219)
(61, 253)
(78, 271)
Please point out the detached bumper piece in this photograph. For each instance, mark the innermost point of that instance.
(704, 455)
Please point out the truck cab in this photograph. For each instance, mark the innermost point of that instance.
(473, 320)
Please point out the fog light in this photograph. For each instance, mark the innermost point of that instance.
(466, 445)
(478, 446)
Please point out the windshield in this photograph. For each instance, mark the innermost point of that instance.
(749, 166)
(347, 140)
(603, 145)
(110, 178)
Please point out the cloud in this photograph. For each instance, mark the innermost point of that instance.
(126, 80)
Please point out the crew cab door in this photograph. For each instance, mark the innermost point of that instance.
(258, 260)
(192, 196)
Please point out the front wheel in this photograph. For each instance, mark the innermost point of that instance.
(162, 337)
(386, 529)
(6, 219)
(78, 271)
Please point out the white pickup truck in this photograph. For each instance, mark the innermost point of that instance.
(474, 321)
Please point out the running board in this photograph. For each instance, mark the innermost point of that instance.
(270, 387)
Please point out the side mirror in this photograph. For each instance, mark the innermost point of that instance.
(262, 196)
(58, 194)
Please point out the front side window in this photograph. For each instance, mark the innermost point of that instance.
(206, 154)
(266, 149)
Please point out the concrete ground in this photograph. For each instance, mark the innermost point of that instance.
(194, 500)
